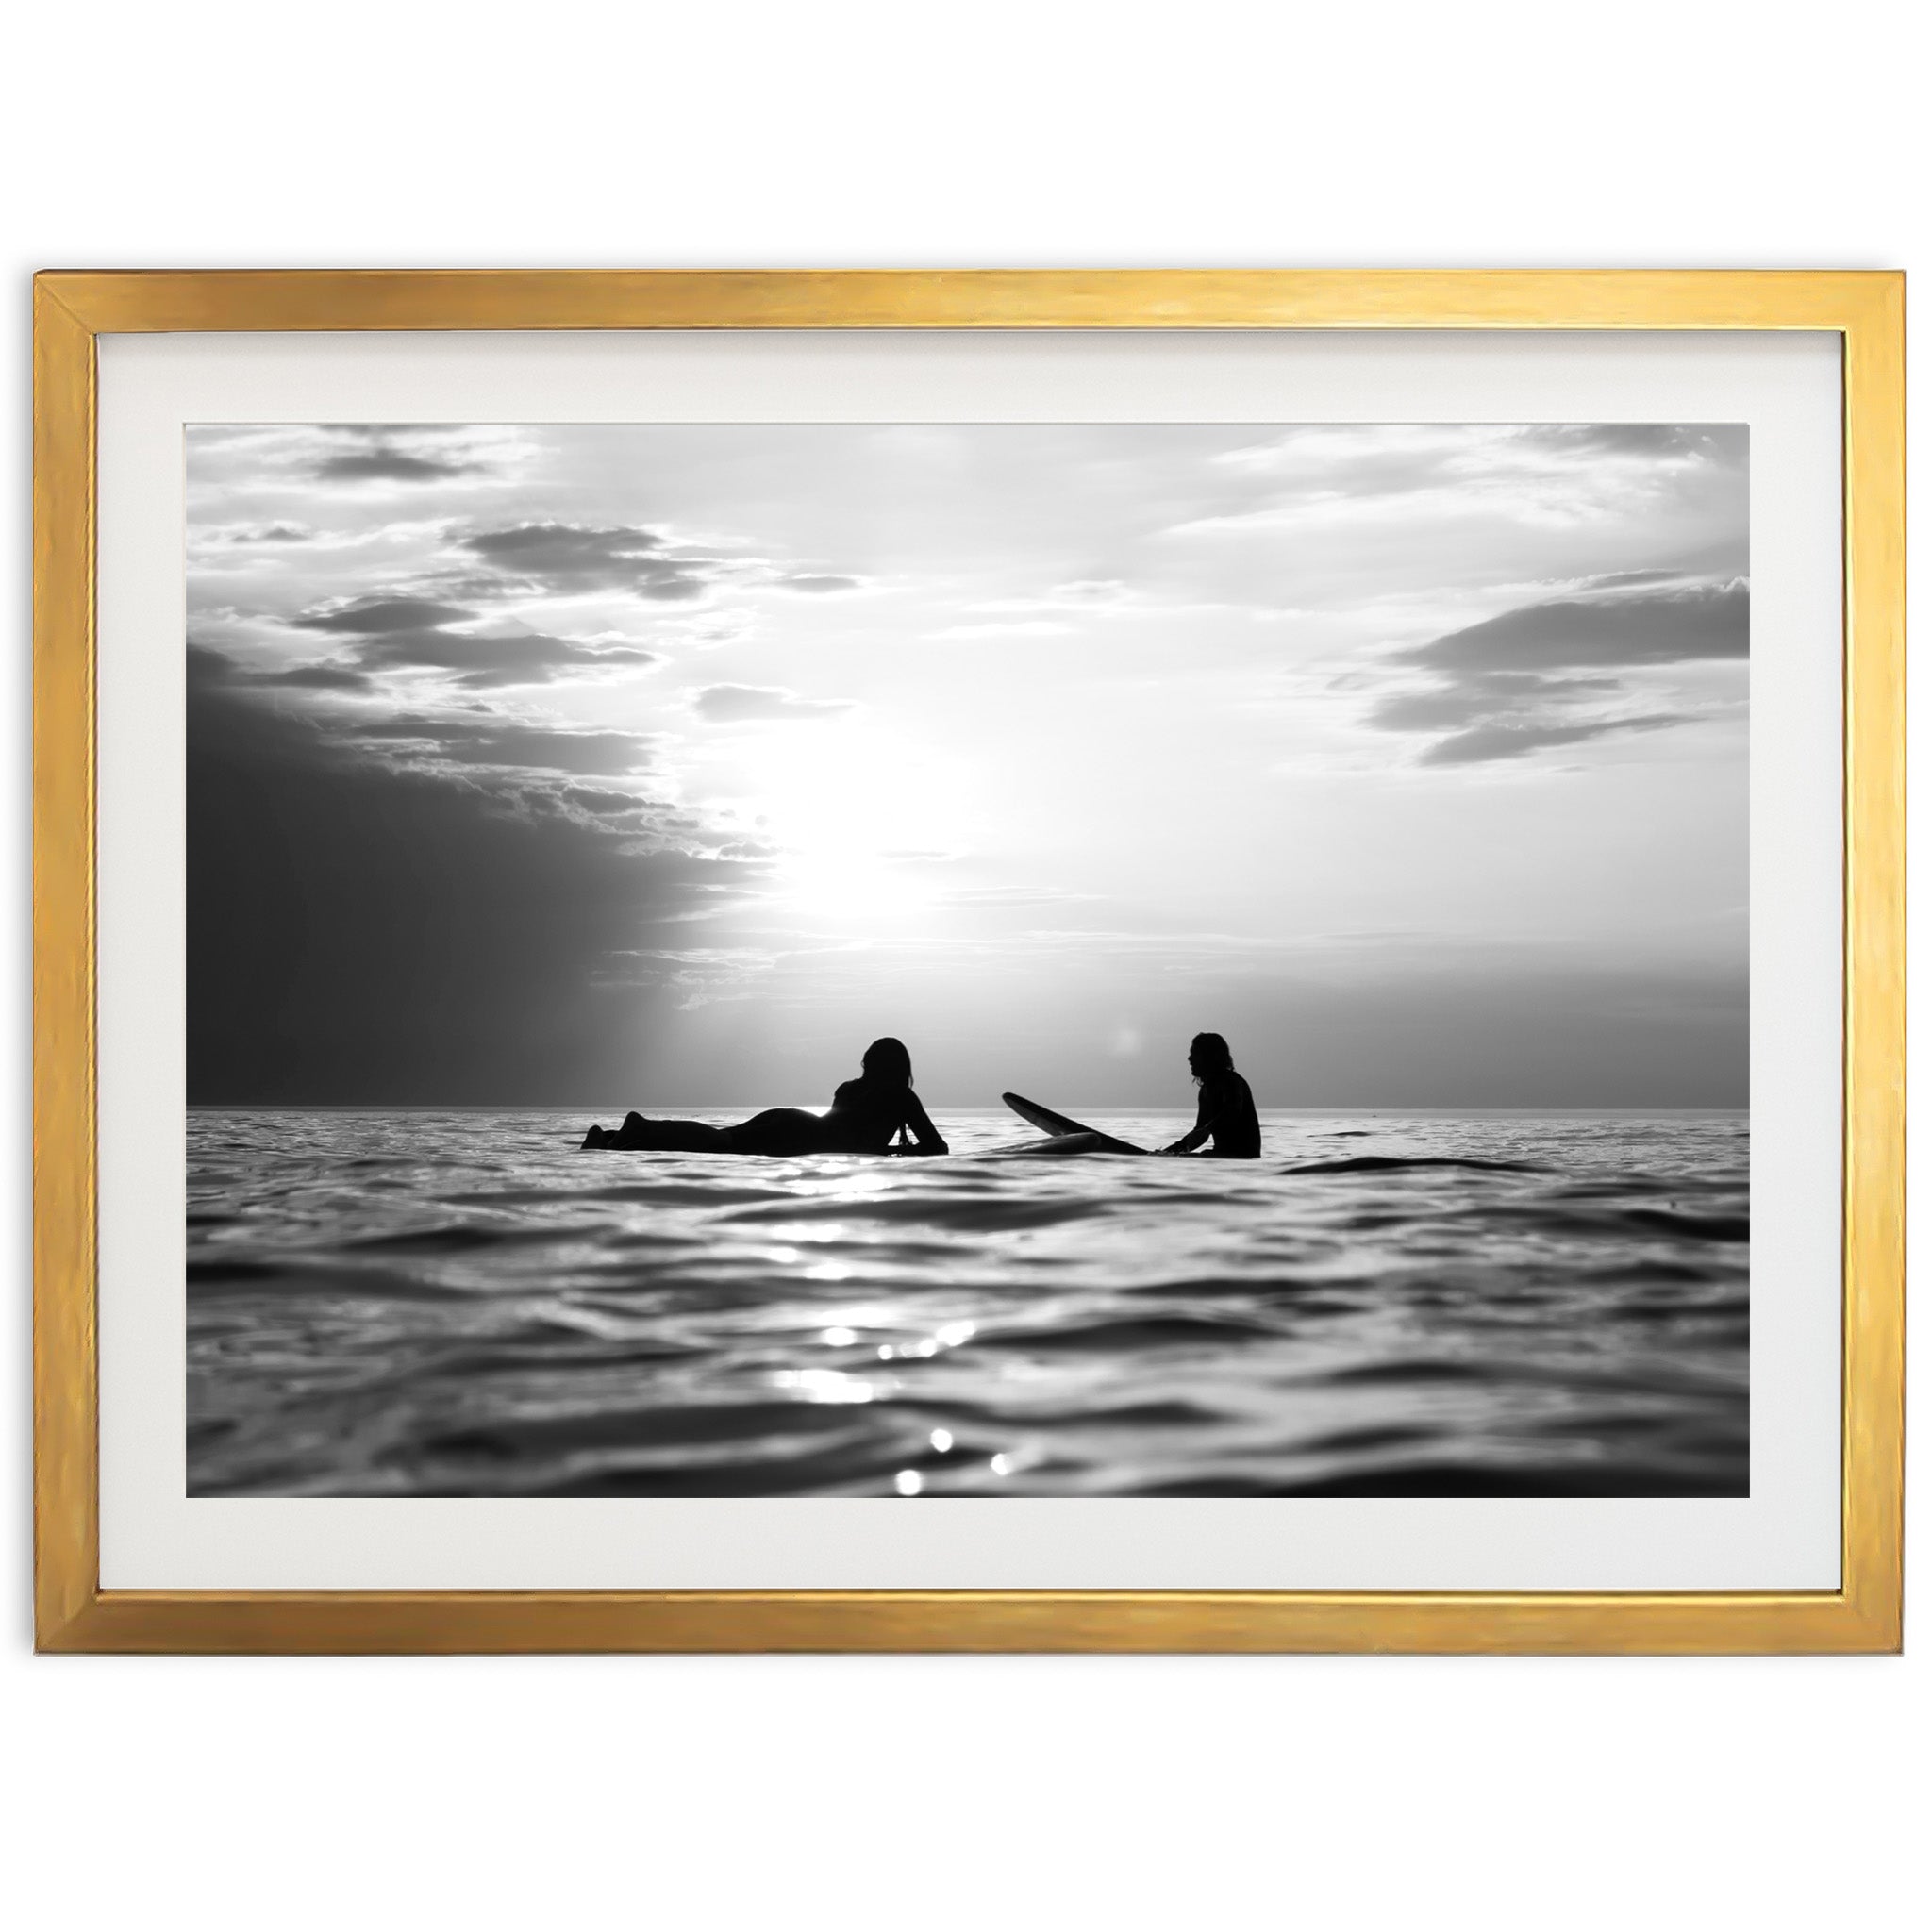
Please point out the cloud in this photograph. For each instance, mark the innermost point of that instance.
(1490, 743)
(1448, 707)
(255, 533)
(1401, 456)
(1633, 439)
(413, 634)
(1384, 498)
(500, 743)
(483, 744)
(209, 668)
(364, 934)
(598, 802)
(384, 464)
(398, 452)
(205, 666)
(491, 662)
(1620, 579)
(316, 677)
(1511, 686)
(570, 559)
(821, 585)
(371, 617)
(520, 767)
(743, 703)
(1672, 625)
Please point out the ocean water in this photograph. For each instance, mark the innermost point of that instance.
(461, 1303)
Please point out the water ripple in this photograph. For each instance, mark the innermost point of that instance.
(443, 1303)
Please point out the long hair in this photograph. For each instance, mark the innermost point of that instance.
(1208, 1053)
(888, 1062)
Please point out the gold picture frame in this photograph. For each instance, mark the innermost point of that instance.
(73, 1613)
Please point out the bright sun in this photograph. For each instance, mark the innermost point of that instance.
(861, 821)
(852, 887)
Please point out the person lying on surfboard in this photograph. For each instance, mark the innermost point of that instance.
(865, 1115)
(1226, 1115)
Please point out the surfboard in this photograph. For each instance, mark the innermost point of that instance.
(1064, 1137)
(1060, 1124)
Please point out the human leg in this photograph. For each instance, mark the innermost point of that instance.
(638, 1135)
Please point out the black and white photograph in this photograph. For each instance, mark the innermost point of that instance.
(968, 968)
(968, 960)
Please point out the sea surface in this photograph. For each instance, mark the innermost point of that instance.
(461, 1303)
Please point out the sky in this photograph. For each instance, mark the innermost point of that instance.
(645, 765)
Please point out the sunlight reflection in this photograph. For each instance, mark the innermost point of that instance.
(838, 1338)
(861, 1316)
(908, 1482)
(805, 1231)
(941, 1440)
(826, 1385)
(865, 1185)
(926, 1346)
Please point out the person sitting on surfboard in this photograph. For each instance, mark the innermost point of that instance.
(1226, 1113)
(864, 1116)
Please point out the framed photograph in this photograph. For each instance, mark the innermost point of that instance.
(983, 961)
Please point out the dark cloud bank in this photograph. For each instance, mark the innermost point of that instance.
(364, 933)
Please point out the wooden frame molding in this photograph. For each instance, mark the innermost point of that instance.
(73, 1613)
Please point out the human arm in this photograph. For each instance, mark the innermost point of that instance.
(929, 1138)
(1197, 1134)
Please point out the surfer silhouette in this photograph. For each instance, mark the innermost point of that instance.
(1227, 1116)
(864, 1116)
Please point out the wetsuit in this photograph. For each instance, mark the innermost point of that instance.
(862, 1119)
(1227, 1118)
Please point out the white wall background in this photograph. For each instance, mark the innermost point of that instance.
(1366, 1792)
